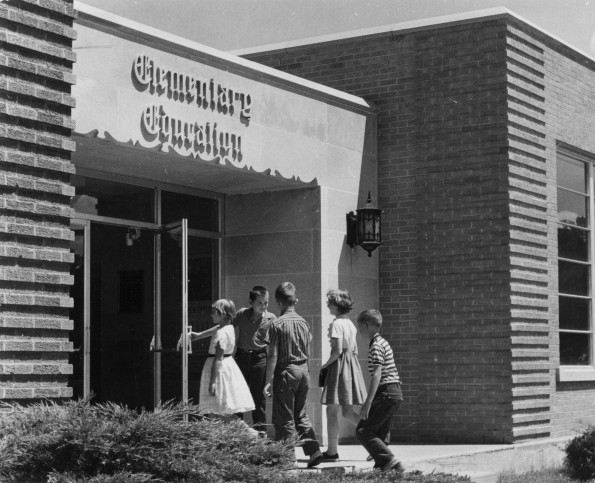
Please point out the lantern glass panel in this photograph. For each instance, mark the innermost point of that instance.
(369, 226)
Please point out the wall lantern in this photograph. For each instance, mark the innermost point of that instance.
(363, 227)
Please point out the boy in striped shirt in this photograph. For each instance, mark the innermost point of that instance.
(384, 394)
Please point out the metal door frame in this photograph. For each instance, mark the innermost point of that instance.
(85, 225)
(182, 227)
(85, 221)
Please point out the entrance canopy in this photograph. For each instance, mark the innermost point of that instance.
(151, 105)
(123, 159)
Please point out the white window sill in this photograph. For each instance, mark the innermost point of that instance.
(576, 373)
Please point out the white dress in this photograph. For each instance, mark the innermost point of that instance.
(232, 394)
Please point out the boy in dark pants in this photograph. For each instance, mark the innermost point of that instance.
(251, 325)
(289, 339)
(384, 394)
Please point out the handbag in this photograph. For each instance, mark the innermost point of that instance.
(322, 377)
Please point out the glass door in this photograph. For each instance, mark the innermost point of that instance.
(80, 358)
(121, 314)
(146, 268)
(186, 282)
(112, 313)
(171, 341)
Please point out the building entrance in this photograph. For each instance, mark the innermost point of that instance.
(139, 286)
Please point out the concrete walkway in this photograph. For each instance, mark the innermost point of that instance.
(482, 463)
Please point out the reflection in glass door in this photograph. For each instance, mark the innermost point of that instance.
(121, 315)
(202, 289)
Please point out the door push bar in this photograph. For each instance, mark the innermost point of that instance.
(152, 347)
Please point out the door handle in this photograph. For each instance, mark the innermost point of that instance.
(189, 341)
(152, 347)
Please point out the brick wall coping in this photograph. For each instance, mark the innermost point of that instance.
(100, 19)
(426, 24)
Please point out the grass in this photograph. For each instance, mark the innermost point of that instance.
(378, 477)
(550, 475)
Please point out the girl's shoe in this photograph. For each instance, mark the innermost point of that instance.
(330, 457)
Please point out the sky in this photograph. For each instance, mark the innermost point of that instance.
(237, 24)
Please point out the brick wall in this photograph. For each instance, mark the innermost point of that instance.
(570, 107)
(445, 269)
(469, 120)
(35, 127)
(530, 208)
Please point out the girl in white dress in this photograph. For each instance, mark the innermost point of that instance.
(223, 389)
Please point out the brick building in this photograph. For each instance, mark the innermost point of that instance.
(196, 175)
(473, 132)
(485, 158)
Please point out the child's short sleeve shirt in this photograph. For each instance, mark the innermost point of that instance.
(225, 338)
(381, 354)
(345, 330)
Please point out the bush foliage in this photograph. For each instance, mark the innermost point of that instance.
(580, 456)
(107, 442)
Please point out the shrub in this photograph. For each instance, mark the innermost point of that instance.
(108, 442)
(123, 477)
(580, 455)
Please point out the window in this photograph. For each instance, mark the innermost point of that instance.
(112, 199)
(575, 258)
(202, 213)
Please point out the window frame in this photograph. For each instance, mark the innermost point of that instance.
(579, 372)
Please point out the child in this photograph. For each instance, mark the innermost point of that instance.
(223, 390)
(289, 339)
(384, 394)
(344, 385)
(251, 325)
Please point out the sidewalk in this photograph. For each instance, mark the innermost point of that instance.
(482, 463)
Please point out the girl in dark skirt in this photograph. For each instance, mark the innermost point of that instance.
(344, 386)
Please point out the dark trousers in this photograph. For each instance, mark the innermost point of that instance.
(290, 391)
(373, 432)
(254, 367)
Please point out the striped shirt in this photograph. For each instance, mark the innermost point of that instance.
(381, 354)
(291, 334)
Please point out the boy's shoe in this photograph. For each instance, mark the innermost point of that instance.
(394, 465)
(330, 457)
(315, 459)
(370, 458)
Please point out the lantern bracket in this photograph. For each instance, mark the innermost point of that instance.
(351, 219)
